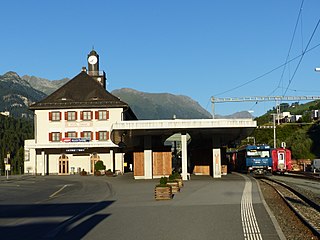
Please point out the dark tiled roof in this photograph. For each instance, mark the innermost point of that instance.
(80, 92)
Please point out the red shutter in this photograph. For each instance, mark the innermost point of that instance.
(107, 115)
(60, 137)
(97, 135)
(96, 114)
(66, 134)
(91, 135)
(60, 116)
(107, 135)
(50, 116)
(75, 115)
(66, 116)
(77, 134)
(81, 134)
(50, 137)
(91, 115)
(81, 115)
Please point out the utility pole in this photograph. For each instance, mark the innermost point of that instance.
(274, 131)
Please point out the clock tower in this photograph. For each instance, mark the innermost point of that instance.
(93, 68)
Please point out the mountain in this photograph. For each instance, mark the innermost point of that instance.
(44, 85)
(17, 94)
(242, 114)
(161, 105)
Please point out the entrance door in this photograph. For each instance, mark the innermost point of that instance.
(93, 159)
(63, 165)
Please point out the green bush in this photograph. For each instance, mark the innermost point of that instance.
(99, 166)
(163, 181)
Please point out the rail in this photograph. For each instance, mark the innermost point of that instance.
(307, 210)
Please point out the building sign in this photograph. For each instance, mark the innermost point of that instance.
(74, 150)
(79, 124)
(7, 166)
(67, 140)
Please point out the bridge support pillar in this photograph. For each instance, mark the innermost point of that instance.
(184, 156)
(148, 157)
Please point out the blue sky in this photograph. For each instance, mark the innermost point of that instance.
(195, 48)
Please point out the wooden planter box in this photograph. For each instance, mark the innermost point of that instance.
(175, 186)
(163, 193)
(180, 182)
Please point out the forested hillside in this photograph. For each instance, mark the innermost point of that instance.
(303, 137)
(13, 132)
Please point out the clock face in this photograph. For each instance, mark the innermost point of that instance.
(92, 60)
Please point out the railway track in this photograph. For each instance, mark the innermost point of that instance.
(307, 210)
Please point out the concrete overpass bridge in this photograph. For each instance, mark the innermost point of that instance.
(202, 155)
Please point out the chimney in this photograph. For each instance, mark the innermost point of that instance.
(84, 69)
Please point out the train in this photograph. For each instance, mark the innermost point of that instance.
(253, 159)
(281, 158)
(260, 160)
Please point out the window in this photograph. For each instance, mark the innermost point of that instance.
(54, 116)
(54, 137)
(71, 116)
(71, 134)
(87, 135)
(102, 136)
(102, 115)
(26, 155)
(86, 115)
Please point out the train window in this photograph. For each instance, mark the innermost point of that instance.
(280, 156)
(261, 153)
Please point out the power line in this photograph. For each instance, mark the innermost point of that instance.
(291, 43)
(263, 75)
(302, 55)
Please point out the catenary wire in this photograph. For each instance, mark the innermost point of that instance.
(301, 57)
(267, 73)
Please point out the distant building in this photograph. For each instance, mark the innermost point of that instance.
(5, 113)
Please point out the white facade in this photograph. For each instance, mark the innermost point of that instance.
(63, 154)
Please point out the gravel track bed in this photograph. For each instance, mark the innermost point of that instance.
(292, 227)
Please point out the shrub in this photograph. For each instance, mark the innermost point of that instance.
(99, 166)
(163, 181)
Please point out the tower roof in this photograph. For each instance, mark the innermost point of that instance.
(80, 92)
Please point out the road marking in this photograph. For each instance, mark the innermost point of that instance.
(55, 193)
(250, 226)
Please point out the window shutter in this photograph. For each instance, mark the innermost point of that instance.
(91, 115)
(97, 115)
(81, 115)
(97, 136)
(66, 134)
(91, 135)
(50, 116)
(60, 137)
(75, 116)
(81, 134)
(66, 116)
(60, 116)
(107, 135)
(50, 137)
(107, 115)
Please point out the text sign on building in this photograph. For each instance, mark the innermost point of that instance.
(66, 140)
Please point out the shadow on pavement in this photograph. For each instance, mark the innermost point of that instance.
(50, 221)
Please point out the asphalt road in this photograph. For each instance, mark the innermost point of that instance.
(75, 207)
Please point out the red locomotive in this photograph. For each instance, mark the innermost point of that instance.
(281, 160)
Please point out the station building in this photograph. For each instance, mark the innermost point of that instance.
(82, 123)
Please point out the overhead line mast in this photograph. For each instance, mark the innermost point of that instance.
(277, 99)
